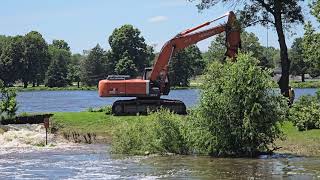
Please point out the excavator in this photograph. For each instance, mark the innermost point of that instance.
(154, 83)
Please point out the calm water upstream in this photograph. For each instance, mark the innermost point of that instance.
(94, 162)
(74, 101)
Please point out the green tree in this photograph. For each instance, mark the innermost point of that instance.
(184, 65)
(311, 46)
(316, 9)
(279, 14)
(94, 66)
(36, 61)
(249, 43)
(57, 74)
(61, 44)
(126, 66)
(10, 60)
(128, 40)
(298, 64)
(238, 115)
(8, 103)
(75, 68)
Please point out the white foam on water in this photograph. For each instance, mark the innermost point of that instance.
(29, 137)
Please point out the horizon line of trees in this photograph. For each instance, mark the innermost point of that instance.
(31, 60)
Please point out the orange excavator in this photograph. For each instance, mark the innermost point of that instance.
(155, 81)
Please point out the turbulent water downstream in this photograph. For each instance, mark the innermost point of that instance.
(21, 158)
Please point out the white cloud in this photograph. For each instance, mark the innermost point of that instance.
(157, 19)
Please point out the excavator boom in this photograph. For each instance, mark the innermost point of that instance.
(155, 83)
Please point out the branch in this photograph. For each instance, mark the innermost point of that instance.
(258, 21)
(266, 6)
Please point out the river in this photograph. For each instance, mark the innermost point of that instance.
(94, 162)
(75, 101)
(21, 159)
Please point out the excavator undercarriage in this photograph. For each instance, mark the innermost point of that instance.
(144, 106)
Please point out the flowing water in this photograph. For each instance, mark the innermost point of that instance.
(74, 101)
(24, 156)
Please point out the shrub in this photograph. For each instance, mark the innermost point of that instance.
(159, 133)
(8, 103)
(106, 109)
(305, 113)
(238, 113)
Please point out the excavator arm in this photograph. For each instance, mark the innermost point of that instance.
(189, 37)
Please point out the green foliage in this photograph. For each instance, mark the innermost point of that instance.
(57, 74)
(184, 65)
(126, 66)
(162, 135)
(8, 103)
(106, 109)
(238, 114)
(10, 59)
(250, 44)
(36, 59)
(316, 9)
(127, 43)
(311, 46)
(305, 113)
(60, 44)
(74, 68)
(94, 66)
(298, 64)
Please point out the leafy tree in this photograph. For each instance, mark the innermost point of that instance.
(126, 66)
(10, 59)
(184, 65)
(316, 9)
(57, 74)
(298, 65)
(61, 44)
(311, 46)
(249, 42)
(75, 68)
(94, 66)
(128, 40)
(8, 103)
(238, 115)
(280, 14)
(36, 59)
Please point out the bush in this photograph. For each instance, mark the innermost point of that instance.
(106, 109)
(305, 113)
(159, 133)
(8, 103)
(238, 113)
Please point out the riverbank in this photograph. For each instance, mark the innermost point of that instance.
(79, 124)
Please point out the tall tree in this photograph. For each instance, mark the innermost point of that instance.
(57, 74)
(278, 13)
(311, 49)
(36, 59)
(250, 43)
(75, 68)
(184, 65)
(61, 44)
(94, 66)
(298, 64)
(316, 9)
(10, 60)
(128, 40)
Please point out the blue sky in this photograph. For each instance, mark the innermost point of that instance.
(84, 23)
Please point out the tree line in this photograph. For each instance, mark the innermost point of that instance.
(29, 59)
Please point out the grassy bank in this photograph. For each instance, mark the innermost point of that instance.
(306, 143)
(307, 84)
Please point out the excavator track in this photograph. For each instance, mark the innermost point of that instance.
(143, 106)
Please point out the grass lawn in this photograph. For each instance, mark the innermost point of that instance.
(306, 143)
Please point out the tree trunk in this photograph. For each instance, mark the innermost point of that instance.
(25, 84)
(302, 77)
(285, 62)
(78, 84)
(33, 84)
